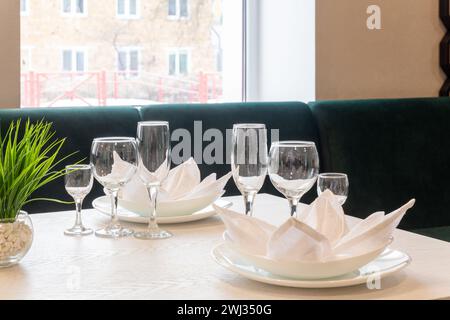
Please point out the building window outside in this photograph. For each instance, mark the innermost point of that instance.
(179, 63)
(128, 62)
(128, 9)
(74, 7)
(24, 7)
(178, 9)
(73, 60)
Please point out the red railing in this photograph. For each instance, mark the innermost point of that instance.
(96, 88)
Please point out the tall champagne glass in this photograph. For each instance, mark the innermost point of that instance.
(114, 161)
(249, 160)
(293, 169)
(153, 138)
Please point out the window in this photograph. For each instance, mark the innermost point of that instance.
(106, 59)
(73, 60)
(128, 62)
(74, 7)
(24, 7)
(127, 9)
(178, 9)
(179, 63)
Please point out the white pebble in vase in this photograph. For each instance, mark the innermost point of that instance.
(16, 238)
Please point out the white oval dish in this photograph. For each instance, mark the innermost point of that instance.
(181, 207)
(309, 270)
(389, 262)
(103, 204)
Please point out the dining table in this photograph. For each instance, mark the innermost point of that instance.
(181, 267)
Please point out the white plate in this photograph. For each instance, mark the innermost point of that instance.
(103, 204)
(389, 262)
(308, 270)
(182, 207)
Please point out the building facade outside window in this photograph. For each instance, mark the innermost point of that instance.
(74, 7)
(25, 58)
(103, 59)
(128, 9)
(74, 60)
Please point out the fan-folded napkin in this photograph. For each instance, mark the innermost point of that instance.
(319, 234)
(182, 183)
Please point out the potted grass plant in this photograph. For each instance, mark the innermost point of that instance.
(28, 159)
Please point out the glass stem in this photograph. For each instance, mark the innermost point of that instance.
(248, 201)
(114, 202)
(293, 203)
(78, 206)
(153, 194)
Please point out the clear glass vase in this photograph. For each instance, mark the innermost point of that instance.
(16, 238)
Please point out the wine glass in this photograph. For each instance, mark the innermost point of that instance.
(293, 169)
(249, 160)
(78, 183)
(336, 183)
(114, 161)
(153, 139)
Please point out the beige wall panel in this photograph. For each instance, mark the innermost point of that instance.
(400, 60)
(9, 54)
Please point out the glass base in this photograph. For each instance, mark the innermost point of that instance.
(113, 233)
(78, 231)
(153, 234)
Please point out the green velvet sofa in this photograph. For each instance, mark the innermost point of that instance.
(392, 150)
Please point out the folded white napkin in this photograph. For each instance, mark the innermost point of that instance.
(119, 170)
(320, 234)
(326, 216)
(182, 183)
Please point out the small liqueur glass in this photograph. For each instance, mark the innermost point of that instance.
(337, 183)
(78, 183)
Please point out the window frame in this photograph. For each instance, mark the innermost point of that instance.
(177, 15)
(128, 73)
(74, 63)
(73, 13)
(126, 15)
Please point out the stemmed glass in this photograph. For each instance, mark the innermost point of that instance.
(153, 139)
(78, 183)
(293, 169)
(336, 183)
(249, 160)
(114, 161)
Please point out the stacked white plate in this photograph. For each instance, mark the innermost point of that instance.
(168, 212)
(344, 271)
